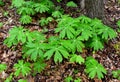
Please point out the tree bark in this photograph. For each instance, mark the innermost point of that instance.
(95, 8)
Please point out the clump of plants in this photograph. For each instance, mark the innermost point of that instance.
(72, 37)
(29, 8)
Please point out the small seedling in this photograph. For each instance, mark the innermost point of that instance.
(68, 79)
(6, 13)
(116, 74)
(22, 68)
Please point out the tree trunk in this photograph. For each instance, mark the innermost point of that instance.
(95, 8)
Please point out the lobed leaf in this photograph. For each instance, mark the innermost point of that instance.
(25, 19)
(22, 68)
(77, 44)
(26, 11)
(96, 44)
(68, 79)
(77, 58)
(93, 68)
(39, 65)
(17, 3)
(66, 27)
(57, 51)
(34, 50)
(16, 35)
(71, 4)
(107, 33)
(116, 74)
(84, 20)
(57, 14)
(39, 7)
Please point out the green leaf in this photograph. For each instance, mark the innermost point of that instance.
(59, 0)
(116, 74)
(90, 60)
(63, 51)
(68, 32)
(43, 21)
(9, 78)
(17, 3)
(53, 39)
(3, 67)
(25, 19)
(49, 53)
(10, 41)
(93, 68)
(66, 27)
(118, 23)
(16, 35)
(38, 36)
(39, 7)
(49, 19)
(85, 20)
(25, 11)
(71, 4)
(77, 80)
(29, 3)
(56, 50)
(77, 45)
(96, 44)
(57, 56)
(34, 50)
(49, 4)
(107, 32)
(1, 3)
(67, 44)
(39, 65)
(68, 79)
(96, 23)
(77, 58)
(22, 68)
(29, 36)
(85, 32)
(57, 14)
(22, 80)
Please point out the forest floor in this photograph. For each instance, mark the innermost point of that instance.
(109, 57)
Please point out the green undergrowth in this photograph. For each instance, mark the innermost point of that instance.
(70, 37)
(116, 74)
(1, 3)
(70, 78)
